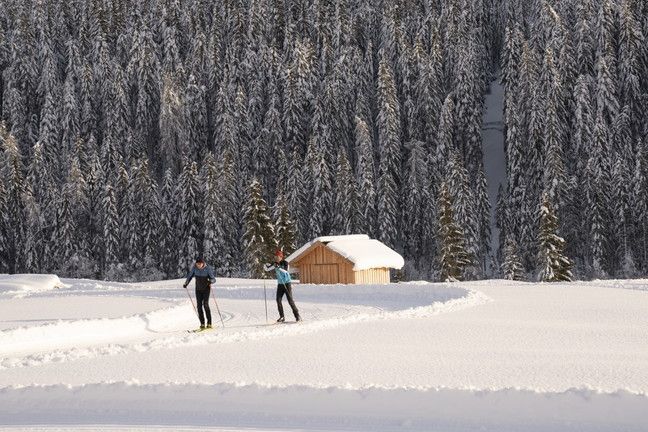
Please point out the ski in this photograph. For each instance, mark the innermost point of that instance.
(199, 330)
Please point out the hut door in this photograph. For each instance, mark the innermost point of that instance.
(327, 273)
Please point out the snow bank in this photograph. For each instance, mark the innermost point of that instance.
(307, 408)
(88, 332)
(21, 285)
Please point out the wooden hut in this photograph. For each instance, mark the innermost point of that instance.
(348, 259)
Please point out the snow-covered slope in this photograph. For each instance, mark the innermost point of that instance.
(491, 355)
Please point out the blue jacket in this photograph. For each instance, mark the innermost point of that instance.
(281, 270)
(204, 277)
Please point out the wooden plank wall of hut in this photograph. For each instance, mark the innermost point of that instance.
(372, 276)
(322, 265)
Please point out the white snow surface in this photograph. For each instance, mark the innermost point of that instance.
(325, 239)
(364, 252)
(21, 285)
(487, 356)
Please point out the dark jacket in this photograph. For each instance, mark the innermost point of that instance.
(204, 277)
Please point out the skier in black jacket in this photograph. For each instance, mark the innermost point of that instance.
(204, 278)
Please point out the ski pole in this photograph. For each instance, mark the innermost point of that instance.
(192, 302)
(265, 298)
(218, 309)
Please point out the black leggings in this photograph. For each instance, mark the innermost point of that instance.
(286, 289)
(202, 298)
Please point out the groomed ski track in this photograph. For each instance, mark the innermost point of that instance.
(492, 355)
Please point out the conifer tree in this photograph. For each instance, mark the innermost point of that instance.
(553, 265)
(512, 268)
(365, 178)
(172, 141)
(285, 227)
(110, 256)
(320, 217)
(214, 236)
(454, 258)
(259, 236)
(63, 236)
(31, 247)
(484, 222)
(190, 213)
(12, 173)
(4, 229)
(416, 198)
(346, 210)
(390, 160)
(167, 249)
(232, 258)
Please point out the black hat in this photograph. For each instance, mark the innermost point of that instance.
(200, 260)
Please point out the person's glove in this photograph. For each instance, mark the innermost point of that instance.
(268, 267)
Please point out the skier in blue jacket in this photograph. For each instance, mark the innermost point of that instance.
(280, 268)
(204, 278)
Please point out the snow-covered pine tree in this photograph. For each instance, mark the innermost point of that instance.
(110, 225)
(553, 265)
(232, 257)
(4, 228)
(453, 256)
(94, 177)
(49, 130)
(639, 206)
(322, 205)
(346, 202)
(171, 121)
(32, 245)
(416, 198)
(465, 210)
(389, 145)
(285, 227)
(11, 172)
(428, 98)
(512, 268)
(295, 195)
(63, 236)
(195, 119)
(298, 96)
(144, 69)
(259, 236)
(365, 178)
(554, 169)
(167, 248)
(189, 226)
(444, 139)
(502, 222)
(484, 222)
(265, 154)
(214, 236)
(243, 131)
(598, 201)
(144, 217)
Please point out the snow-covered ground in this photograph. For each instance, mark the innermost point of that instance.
(493, 356)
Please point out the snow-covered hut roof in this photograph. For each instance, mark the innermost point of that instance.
(364, 252)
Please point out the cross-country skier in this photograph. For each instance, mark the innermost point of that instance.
(204, 278)
(280, 268)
